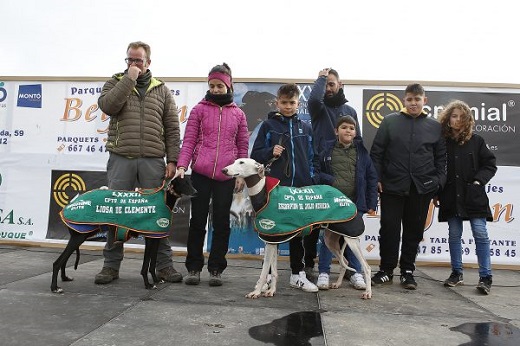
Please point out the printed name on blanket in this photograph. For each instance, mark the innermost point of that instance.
(143, 211)
(316, 204)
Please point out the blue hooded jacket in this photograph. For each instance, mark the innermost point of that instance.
(298, 164)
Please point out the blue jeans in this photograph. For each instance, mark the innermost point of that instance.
(478, 227)
(325, 258)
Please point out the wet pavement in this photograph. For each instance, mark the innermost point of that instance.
(124, 313)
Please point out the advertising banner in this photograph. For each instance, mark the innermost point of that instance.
(52, 148)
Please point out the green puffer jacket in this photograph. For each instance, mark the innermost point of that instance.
(343, 164)
(140, 127)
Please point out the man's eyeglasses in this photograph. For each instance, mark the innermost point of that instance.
(130, 61)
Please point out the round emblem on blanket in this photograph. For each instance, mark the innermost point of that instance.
(163, 222)
(267, 224)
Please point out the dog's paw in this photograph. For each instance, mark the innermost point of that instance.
(269, 293)
(366, 295)
(253, 295)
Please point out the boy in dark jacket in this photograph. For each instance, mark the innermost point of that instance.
(347, 166)
(284, 144)
(409, 154)
(471, 165)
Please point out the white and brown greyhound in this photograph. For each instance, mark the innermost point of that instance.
(349, 230)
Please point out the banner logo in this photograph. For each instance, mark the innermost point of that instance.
(496, 116)
(379, 105)
(30, 96)
(66, 182)
(3, 92)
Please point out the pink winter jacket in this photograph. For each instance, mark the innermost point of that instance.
(214, 138)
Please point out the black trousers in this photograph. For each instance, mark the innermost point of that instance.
(310, 243)
(220, 194)
(411, 211)
(302, 252)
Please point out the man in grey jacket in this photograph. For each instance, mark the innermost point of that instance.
(143, 144)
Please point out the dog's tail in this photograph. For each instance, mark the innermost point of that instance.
(77, 259)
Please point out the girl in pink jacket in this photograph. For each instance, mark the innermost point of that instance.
(216, 135)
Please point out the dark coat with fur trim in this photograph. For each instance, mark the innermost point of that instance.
(467, 163)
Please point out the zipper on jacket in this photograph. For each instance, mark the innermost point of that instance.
(292, 150)
(218, 141)
(141, 124)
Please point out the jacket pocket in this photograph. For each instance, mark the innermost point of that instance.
(476, 199)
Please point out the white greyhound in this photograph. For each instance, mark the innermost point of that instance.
(253, 174)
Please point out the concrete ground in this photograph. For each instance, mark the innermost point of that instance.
(124, 313)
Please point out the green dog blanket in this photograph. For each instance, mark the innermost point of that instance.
(291, 209)
(143, 211)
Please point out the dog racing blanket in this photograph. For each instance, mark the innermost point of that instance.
(142, 211)
(291, 209)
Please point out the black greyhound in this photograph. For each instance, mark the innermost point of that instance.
(176, 188)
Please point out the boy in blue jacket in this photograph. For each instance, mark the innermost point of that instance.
(284, 143)
(347, 166)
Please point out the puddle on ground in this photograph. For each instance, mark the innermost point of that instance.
(489, 333)
(292, 330)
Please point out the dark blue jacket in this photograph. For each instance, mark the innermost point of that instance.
(408, 150)
(324, 118)
(366, 176)
(298, 164)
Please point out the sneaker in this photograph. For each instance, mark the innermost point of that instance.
(169, 274)
(309, 273)
(382, 278)
(215, 279)
(408, 281)
(193, 278)
(106, 275)
(484, 284)
(323, 281)
(358, 281)
(455, 279)
(300, 281)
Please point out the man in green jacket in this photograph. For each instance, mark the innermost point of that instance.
(143, 144)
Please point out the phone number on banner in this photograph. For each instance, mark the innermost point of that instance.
(493, 252)
(81, 148)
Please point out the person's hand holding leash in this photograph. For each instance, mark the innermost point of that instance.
(278, 150)
(180, 172)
